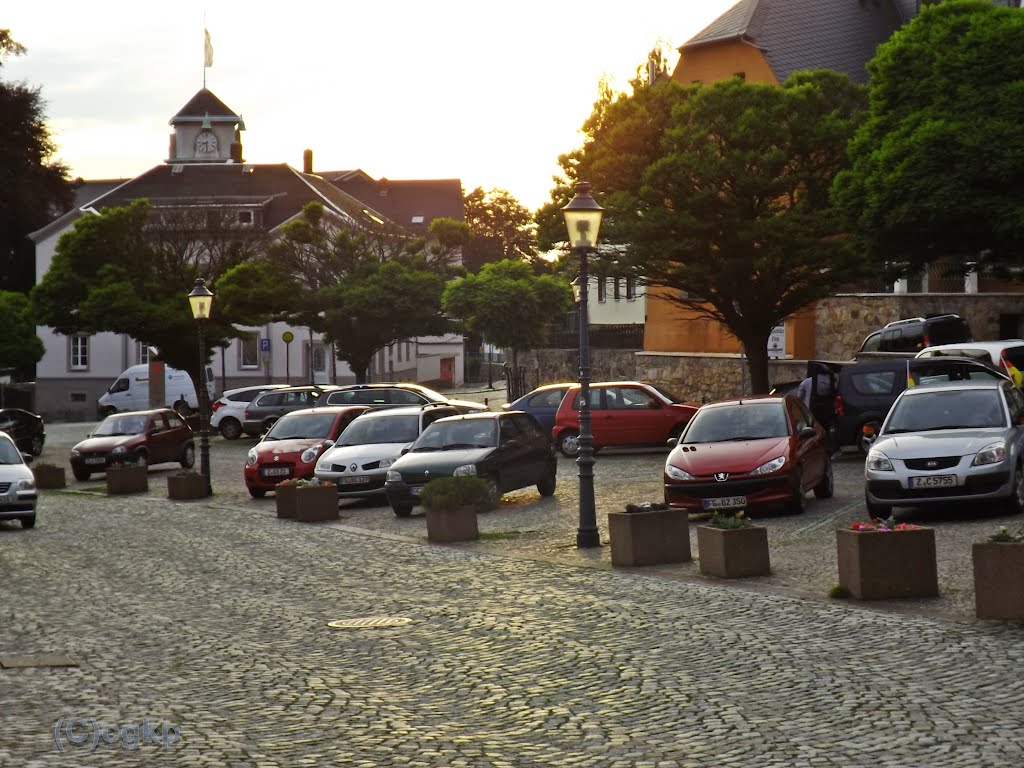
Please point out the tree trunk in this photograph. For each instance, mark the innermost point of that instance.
(359, 368)
(755, 346)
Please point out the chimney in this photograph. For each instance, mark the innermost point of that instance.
(307, 161)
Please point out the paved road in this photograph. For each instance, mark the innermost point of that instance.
(212, 617)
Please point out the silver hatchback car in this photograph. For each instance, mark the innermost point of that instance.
(949, 442)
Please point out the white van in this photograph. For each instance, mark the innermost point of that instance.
(130, 391)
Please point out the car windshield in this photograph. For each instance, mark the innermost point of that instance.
(742, 421)
(384, 428)
(9, 453)
(950, 409)
(313, 425)
(124, 424)
(463, 433)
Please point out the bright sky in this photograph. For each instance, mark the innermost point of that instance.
(487, 92)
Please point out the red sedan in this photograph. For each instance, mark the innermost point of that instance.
(291, 447)
(757, 451)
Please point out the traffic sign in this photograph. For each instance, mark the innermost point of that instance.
(287, 337)
(264, 345)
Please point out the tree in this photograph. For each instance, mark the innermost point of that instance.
(508, 304)
(500, 228)
(34, 191)
(936, 169)
(20, 348)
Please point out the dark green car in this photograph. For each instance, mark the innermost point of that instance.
(509, 449)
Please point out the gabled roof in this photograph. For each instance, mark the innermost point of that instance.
(202, 104)
(411, 203)
(841, 35)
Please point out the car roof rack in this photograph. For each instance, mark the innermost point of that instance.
(906, 321)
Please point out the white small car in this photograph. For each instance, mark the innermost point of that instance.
(17, 484)
(359, 461)
(228, 411)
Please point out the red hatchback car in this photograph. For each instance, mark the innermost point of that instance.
(748, 452)
(291, 447)
(622, 413)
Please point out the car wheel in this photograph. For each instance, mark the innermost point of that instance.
(798, 501)
(188, 457)
(864, 442)
(546, 487)
(569, 444)
(1015, 504)
(257, 493)
(230, 428)
(37, 445)
(28, 522)
(402, 510)
(877, 511)
(826, 487)
(81, 474)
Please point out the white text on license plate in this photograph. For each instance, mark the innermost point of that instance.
(276, 471)
(96, 460)
(933, 481)
(726, 502)
(415, 490)
(358, 479)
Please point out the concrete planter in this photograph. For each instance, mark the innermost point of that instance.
(649, 538)
(186, 486)
(49, 476)
(998, 579)
(733, 553)
(284, 495)
(315, 504)
(121, 480)
(878, 565)
(445, 525)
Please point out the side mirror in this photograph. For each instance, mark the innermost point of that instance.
(328, 444)
(406, 450)
(27, 458)
(672, 442)
(807, 432)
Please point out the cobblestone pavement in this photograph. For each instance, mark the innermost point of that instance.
(521, 651)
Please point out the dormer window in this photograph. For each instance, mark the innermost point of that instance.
(417, 219)
(245, 218)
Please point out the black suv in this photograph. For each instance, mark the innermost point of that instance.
(910, 336)
(867, 390)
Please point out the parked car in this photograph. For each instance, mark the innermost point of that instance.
(265, 409)
(228, 411)
(508, 448)
(25, 428)
(542, 403)
(17, 484)
(749, 452)
(949, 442)
(909, 336)
(291, 447)
(157, 436)
(1006, 355)
(396, 394)
(359, 460)
(866, 391)
(623, 413)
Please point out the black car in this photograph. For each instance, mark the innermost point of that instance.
(908, 337)
(26, 429)
(509, 449)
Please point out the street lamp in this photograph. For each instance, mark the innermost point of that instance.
(201, 302)
(583, 220)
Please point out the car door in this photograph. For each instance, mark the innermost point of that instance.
(634, 416)
(513, 453)
(159, 439)
(809, 452)
(538, 444)
(597, 414)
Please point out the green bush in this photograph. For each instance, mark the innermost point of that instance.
(446, 493)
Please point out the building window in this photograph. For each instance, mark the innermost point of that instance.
(399, 345)
(245, 217)
(78, 354)
(408, 351)
(602, 291)
(616, 282)
(249, 352)
(143, 353)
(630, 288)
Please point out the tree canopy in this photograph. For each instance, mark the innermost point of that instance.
(499, 228)
(936, 166)
(20, 348)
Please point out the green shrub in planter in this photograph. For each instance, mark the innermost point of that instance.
(450, 493)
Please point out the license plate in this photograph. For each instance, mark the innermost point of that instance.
(356, 480)
(725, 502)
(96, 460)
(415, 490)
(933, 481)
(276, 471)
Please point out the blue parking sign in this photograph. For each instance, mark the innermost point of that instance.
(264, 345)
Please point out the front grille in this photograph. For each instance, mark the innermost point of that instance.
(891, 490)
(4, 487)
(741, 487)
(935, 462)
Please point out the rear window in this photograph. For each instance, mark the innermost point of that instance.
(874, 383)
(949, 332)
(1016, 356)
(550, 399)
(245, 396)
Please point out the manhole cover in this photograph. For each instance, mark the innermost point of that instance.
(372, 622)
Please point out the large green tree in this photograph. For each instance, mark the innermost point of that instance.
(20, 348)
(499, 228)
(937, 168)
(720, 194)
(34, 189)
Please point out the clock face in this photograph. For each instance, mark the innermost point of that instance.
(206, 142)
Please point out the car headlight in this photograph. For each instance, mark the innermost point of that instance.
(465, 469)
(990, 454)
(251, 458)
(118, 451)
(323, 466)
(385, 463)
(770, 466)
(878, 461)
(393, 476)
(26, 485)
(309, 455)
(678, 474)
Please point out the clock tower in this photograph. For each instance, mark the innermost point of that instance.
(206, 131)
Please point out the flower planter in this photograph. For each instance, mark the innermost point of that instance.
(315, 504)
(284, 495)
(122, 480)
(49, 476)
(732, 553)
(877, 565)
(445, 525)
(649, 538)
(186, 486)
(998, 579)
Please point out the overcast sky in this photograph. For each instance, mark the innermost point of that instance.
(487, 92)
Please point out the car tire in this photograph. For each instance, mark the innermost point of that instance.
(402, 510)
(188, 456)
(798, 501)
(546, 487)
(81, 474)
(826, 488)
(230, 428)
(37, 445)
(877, 511)
(1015, 504)
(569, 443)
(257, 493)
(28, 522)
(863, 443)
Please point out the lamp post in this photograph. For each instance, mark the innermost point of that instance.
(201, 302)
(583, 220)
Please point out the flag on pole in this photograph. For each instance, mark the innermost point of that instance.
(207, 50)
